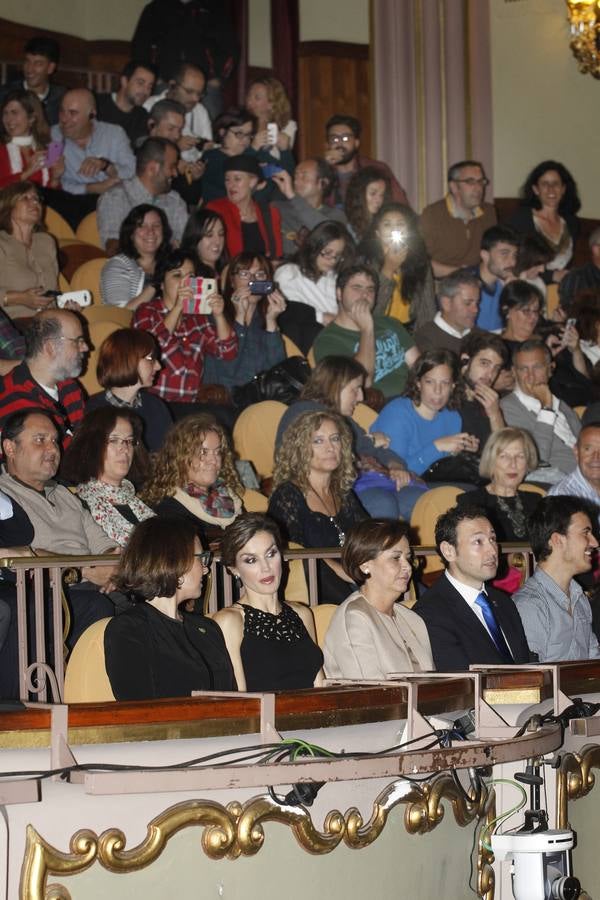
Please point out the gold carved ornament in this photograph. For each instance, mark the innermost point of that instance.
(237, 830)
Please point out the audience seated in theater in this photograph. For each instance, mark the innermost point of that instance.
(550, 203)
(311, 277)
(499, 246)
(24, 139)
(384, 486)
(62, 525)
(107, 461)
(251, 227)
(97, 156)
(507, 457)
(453, 227)
(28, 260)
(555, 612)
(184, 338)
(186, 86)
(458, 305)
(126, 106)
(194, 476)
(12, 345)
(204, 240)
(424, 426)
(532, 406)
(342, 136)
(533, 256)
(468, 621)
(55, 354)
(584, 481)
(380, 343)
(571, 369)
(272, 643)
(157, 648)
(234, 132)
(166, 120)
(482, 358)
(175, 31)
(372, 634)
(267, 100)
(312, 500)
(582, 278)
(302, 204)
(128, 278)
(254, 317)
(368, 190)
(41, 55)
(126, 368)
(395, 248)
(586, 311)
(156, 165)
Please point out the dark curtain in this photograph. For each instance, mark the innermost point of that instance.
(285, 35)
(235, 89)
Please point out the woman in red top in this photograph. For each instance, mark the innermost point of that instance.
(250, 227)
(24, 139)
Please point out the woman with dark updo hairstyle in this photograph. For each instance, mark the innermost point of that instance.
(157, 649)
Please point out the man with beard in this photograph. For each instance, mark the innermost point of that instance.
(483, 356)
(342, 146)
(155, 168)
(499, 246)
(468, 621)
(555, 612)
(126, 107)
(56, 348)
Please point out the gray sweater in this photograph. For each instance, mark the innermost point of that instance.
(550, 447)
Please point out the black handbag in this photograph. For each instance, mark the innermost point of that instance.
(282, 382)
(460, 467)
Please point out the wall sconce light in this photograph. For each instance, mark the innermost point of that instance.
(584, 19)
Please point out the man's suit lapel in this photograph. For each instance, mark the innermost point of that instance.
(476, 637)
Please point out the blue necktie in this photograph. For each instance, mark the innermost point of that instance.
(494, 629)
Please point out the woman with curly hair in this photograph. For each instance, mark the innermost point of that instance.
(423, 426)
(106, 459)
(394, 247)
(311, 278)
(267, 100)
(195, 477)
(368, 190)
(312, 499)
(550, 203)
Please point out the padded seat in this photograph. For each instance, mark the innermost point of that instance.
(86, 680)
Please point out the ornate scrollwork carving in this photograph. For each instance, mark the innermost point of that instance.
(575, 779)
(237, 830)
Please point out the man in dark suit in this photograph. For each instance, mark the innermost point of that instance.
(469, 622)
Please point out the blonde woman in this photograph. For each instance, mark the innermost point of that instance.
(268, 101)
(508, 456)
(312, 499)
(195, 477)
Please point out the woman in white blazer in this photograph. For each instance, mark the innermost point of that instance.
(371, 634)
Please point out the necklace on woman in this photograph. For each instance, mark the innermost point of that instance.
(332, 518)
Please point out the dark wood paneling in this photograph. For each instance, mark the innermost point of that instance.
(333, 78)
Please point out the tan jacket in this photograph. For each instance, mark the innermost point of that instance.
(364, 643)
(22, 268)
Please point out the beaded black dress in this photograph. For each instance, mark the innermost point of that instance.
(277, 652)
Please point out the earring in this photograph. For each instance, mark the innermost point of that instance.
(180, 582)
(238, 581)
(365, 571)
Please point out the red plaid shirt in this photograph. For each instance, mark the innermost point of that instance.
(18, 390)
(183, 351)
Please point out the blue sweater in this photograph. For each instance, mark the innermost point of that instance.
(412, 436)
(258, 350)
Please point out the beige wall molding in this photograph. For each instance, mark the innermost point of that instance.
(237, 830)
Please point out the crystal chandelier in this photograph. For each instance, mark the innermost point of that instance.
(584, 18)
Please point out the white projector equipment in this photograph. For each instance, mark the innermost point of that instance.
(541, 863)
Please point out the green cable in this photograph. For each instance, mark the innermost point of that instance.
(499, 819)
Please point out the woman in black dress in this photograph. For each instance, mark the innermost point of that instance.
(312, 499)
(272, 643)
(156, 649)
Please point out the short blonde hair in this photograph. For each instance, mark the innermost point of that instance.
(499, 441)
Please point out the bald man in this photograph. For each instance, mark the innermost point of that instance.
(97, 154)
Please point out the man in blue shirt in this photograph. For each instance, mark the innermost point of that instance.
(499, 246)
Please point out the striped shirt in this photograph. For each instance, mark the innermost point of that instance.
(19, 390)
(183, 350)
